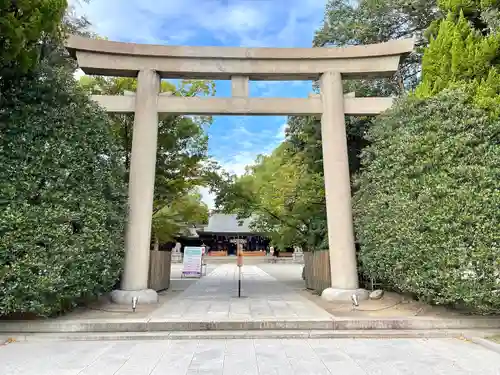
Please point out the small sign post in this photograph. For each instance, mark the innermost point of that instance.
(240, 264)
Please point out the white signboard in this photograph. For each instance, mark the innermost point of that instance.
(191, 266)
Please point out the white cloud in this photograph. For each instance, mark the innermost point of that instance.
(246, 151)
(280, 89)
(245, 143)
(253, 22)
(302, 19)
(240, 130)
(282, 132)
(237, 163)
(207, 197)
(78, 74)
(241, 18)
(172, 21)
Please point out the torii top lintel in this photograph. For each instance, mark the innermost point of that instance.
(102, 57)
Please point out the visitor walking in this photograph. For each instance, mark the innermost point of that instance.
(271, 252)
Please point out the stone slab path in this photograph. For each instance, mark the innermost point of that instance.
(215, 298)
(250, 357)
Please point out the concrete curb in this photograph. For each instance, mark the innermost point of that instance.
(415, 323)
(220, 335)
(485, 343)
(164, 325)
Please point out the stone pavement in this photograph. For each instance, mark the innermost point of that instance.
(250, 357)
(215, 297)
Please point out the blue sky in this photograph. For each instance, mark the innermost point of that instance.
(233, 141)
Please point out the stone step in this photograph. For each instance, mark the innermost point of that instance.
(270, 334)
(170, 325)
(159, 325)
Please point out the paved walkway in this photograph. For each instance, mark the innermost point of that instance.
(215, 297)
(250, 357)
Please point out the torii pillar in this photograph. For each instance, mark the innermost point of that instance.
(343, 265)
(141, 192)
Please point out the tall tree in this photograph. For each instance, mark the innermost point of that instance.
(281, 197)
(181, 159)
(354, 23)
(374, 21)
(464, 51)
(176, 217)
(483, 15)
(182, 141)
(24, 25)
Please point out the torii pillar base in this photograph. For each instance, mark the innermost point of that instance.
(332, 294)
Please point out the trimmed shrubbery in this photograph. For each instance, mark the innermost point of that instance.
(427, 208)
(62, 196)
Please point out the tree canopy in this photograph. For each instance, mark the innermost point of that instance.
(280, 195)
(181, 158)
(373, 21)
(23, 25)
(462, 55)
(178, 216)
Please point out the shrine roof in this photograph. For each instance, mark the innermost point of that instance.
(227, 224)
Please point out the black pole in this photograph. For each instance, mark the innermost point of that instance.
(238, 257)
(239, 282)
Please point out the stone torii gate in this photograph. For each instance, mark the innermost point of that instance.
(150, 63)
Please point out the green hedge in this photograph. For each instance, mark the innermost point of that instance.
(62, 196)
(427, 208)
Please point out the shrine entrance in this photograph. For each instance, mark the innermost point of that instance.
(151, 63)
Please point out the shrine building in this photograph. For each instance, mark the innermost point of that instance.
(223, 233)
